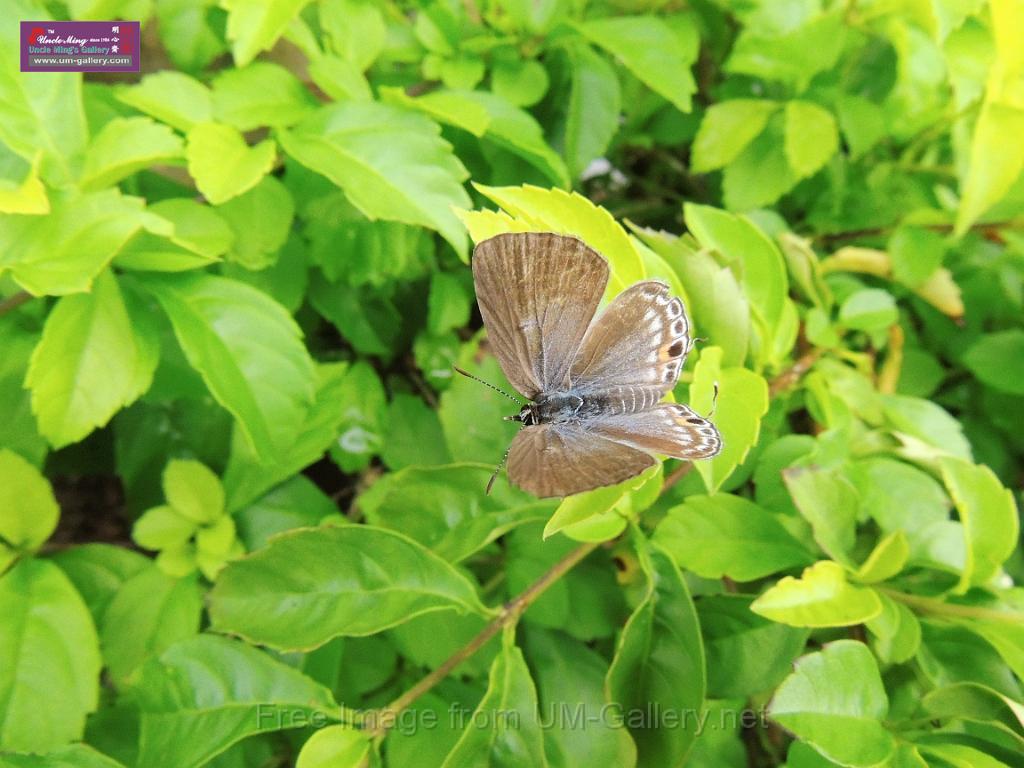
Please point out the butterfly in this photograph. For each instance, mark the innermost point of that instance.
(594, 382)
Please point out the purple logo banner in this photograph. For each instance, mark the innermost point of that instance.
(79, 46)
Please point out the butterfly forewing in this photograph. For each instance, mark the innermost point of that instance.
(669, 429)
(633, 352)
(561, 459)
(537, 293)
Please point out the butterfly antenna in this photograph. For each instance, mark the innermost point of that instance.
(497, 469)
(469, 375)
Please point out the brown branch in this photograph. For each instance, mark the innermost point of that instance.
(382, 720)
(989, 229)
(14, 301)
(789, 377)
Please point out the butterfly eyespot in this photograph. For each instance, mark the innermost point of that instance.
(695, 420)
(676, 349)
(675, 307)
(677, 327)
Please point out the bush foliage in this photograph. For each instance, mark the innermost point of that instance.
(242, 519)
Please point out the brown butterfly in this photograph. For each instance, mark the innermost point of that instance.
(594, 383)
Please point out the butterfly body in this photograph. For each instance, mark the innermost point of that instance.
(594, 380)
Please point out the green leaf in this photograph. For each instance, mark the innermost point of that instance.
(762, 270)
(989, 516)
(262, 93)
(96, 355)
(98, 571)
(391, 163)
(997, 359)
(593, 111)
(413, 436)
(47, 637)
(505, 729)
(896, 631)
(368, 320)
(568, 213)
(715, 302)
(760, 174)
(725, 535)
(746, 653)
(193, 490)
(448, 305)
(222, 164)
(206, 693)
(444, 508)
(248, 350)
(871, 309)
(570, 684)
(522, 82)
(993, 166)
(613, 503)
(916, 253)
(247, 478)
(126, 145)
(962, 755)
(28, 510)
(886, 559)
(171, 97)
(835, 701)
(821, 597)
(652, 51)
(295, 503)
(340, 79)
(254, 25)
(336, 746)
(492, 118)
(150, 612)
(828, 501)
(41, 115)
(199, 237)
(261, 219)
(356, 30)
(928, 422)
(659, 661)
(742, 402)
(191, 33)
(811, 137)
(21, 190)
(726, 129)
(360, 433)
(791, 55)
(292, 595)
(162, 528)
(64, 251)
(73, 756)
(977, 703)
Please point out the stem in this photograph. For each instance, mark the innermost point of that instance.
(14, 301)
(510, 613)
(795, 372)
(988, 227)
(941, 608)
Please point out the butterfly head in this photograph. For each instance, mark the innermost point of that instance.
(527, 416)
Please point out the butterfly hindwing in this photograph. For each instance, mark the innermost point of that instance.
(563, 459)
(636, 347)
(669, 429)
(538, 293)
